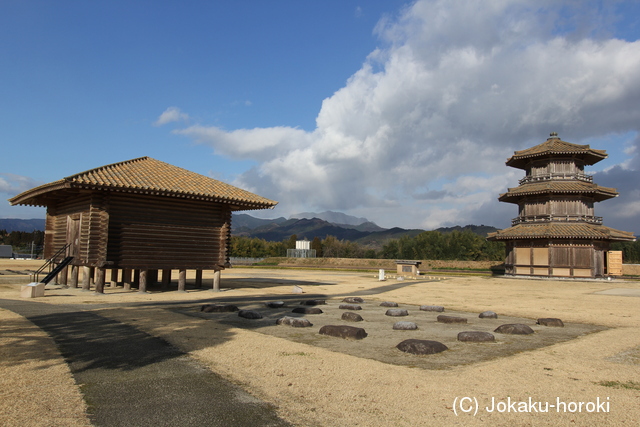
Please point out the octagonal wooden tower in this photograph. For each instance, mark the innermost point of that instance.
(556, 233)
(141, 216)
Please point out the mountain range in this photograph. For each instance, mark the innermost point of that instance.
(350, 228)
(26, 225)
(333, 217)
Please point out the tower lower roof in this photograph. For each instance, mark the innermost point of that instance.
(569, 187)
(553, 230)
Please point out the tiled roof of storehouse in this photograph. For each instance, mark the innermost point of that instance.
(555, 146)
(561, 231)
(145, 175)
(558, 187)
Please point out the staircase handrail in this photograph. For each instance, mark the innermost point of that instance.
(49, 262)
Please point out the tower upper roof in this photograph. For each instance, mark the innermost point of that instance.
(554, 146)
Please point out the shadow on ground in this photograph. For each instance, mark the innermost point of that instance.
(131, 378)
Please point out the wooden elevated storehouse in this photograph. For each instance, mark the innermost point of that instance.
(556, 232)
(139, 216)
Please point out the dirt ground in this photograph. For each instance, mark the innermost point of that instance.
(584, 374)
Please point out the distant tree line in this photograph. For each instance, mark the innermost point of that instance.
(22, 241)
(254, 247)
(456, 245)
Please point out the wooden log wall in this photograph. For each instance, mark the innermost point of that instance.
(97, 229)
(151, 232)
(131, 231)
(76, 207)
(225, 239)
(49, 234)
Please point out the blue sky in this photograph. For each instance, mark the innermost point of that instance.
(400, 112)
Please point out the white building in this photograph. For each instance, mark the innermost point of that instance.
(302, 250)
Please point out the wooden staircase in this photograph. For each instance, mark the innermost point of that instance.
(53, 271)
(58, 268)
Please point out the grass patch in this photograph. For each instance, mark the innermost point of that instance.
(629, 385)
(270, 266)
(453, 273)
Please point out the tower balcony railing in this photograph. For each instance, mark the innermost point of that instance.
(528, 219)
(552, 176)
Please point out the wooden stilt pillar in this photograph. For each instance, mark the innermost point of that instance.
(74, 276)
(182, 280)
(126, 278)
(216, 281)
(166, 278)
(114, 278)
(86, 278)
(152, 278)
(142, 286)
(198, 278)
(64, 276)
(100, 278)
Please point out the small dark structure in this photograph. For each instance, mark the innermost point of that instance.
(556, 233)
(408, 267)
(6, 251)
(141, 216)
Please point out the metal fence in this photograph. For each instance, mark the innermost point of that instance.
(246, 261)
(301, 253)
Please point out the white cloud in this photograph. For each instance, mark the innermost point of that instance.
(4, 185)
(12, 184)
(439, 217)
(171, 114)
(454, 89)
(261, 144)
(622, 212)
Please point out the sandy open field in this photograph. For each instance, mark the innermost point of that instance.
(590, 374)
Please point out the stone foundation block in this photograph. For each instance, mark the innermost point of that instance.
(419, 347)
(514, 329)
(342, 331)
(451, 319)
